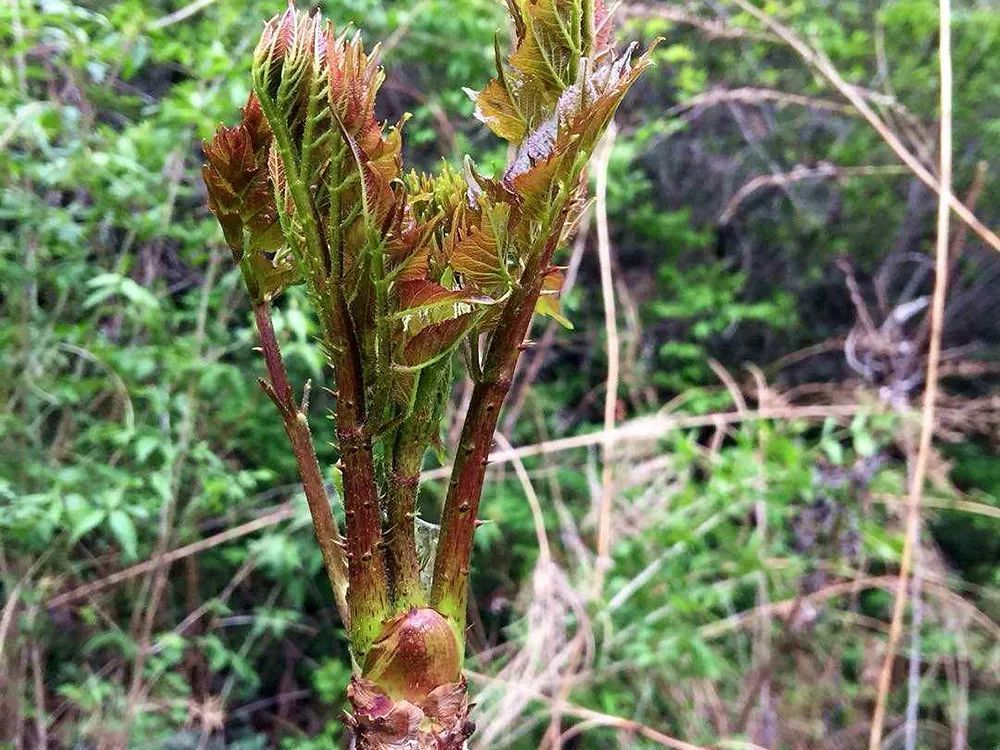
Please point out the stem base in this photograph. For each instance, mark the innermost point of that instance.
(439, 722)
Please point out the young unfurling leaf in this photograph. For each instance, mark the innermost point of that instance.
(478, 253)
(433, 320)
(426, 300)
(548, 299)
(554, 39)
(240, 194)
(436, 341)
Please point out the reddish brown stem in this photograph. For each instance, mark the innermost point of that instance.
(458, 520)
(449, 592)
(300, 437)
(368, 592)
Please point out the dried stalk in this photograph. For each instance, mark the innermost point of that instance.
(38, 683)
(799, 174)
(713, 28)
(602, 159)
(87, 590)
(919, 474)
(598, 718)
(179, 15)
(654, 428)
(826, 68)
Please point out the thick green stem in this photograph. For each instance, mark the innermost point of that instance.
(407, 459)
(401, 537)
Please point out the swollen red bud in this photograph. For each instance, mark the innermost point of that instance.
(416, 653)
(239, 193)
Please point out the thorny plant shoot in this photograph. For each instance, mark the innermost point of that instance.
(403, 270)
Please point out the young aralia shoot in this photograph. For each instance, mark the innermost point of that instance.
(403, 269)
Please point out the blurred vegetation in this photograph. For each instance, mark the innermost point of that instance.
(132, 425)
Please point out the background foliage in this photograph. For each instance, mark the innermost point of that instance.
(131, 424)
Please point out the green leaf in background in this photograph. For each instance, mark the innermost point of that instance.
(123, 530)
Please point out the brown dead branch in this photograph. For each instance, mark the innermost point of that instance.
(919, 470)
(821, 63)
(87, 590)
(800, 174)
